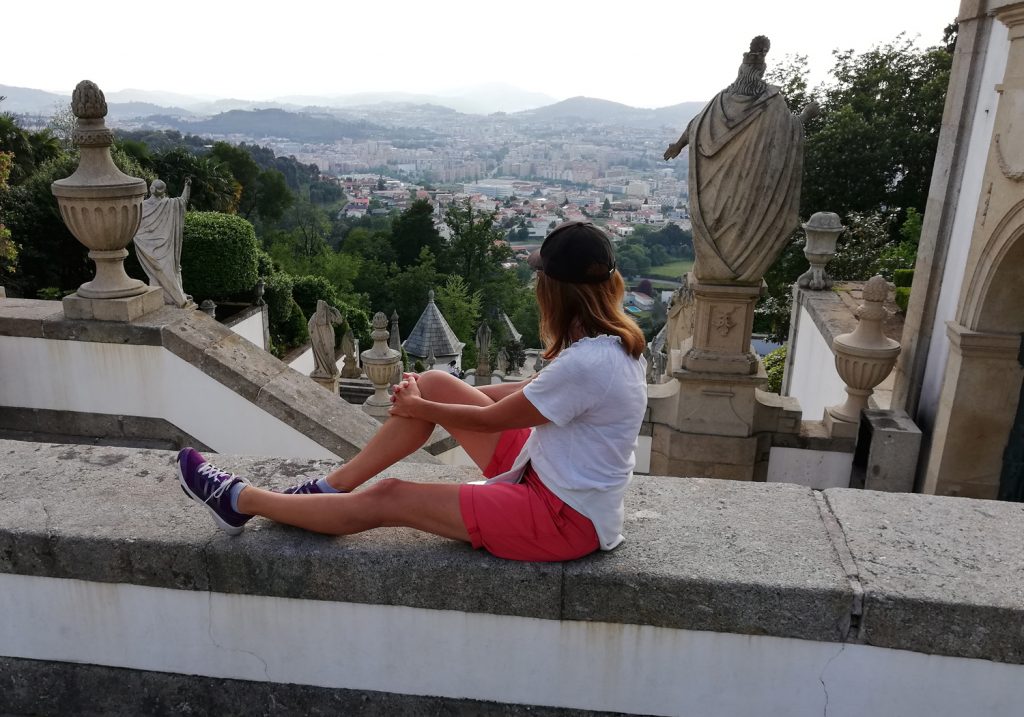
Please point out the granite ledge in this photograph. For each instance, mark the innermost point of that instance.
(700, 554)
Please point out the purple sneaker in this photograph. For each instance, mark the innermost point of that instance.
(310, 487)
(204, 482)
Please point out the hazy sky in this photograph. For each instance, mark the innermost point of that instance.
(647, 53)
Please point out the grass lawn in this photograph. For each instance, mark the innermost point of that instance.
(672, 270)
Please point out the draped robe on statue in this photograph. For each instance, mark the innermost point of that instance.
(158, 245)
(321, 337)
(746, 164)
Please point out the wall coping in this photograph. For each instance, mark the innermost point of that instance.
(931, 574)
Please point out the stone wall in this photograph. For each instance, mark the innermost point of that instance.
(171, 368)
(120, 596)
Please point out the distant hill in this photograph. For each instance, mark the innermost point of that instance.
(479, 99)
(25, 100)
(129, 110)
(596, 111)
(154, 97)
(300, 127)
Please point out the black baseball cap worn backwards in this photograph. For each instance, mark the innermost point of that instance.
(576, 253)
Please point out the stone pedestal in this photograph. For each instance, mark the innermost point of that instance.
(887, 451)
(723, 322)
(126, 308)
(328, 382)
(706, 424)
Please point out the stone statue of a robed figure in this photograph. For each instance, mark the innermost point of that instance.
(746, 166)
(159, 238)
(745, 170)
(321, 337)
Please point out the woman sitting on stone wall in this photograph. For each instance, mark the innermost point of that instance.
(559, 449)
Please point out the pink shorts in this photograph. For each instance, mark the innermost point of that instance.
(525, 520)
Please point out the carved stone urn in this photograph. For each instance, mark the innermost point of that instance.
(865, 356)
(823, 230)
(101, 205)
(379, 362)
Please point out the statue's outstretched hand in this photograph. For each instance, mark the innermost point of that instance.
(673, 151)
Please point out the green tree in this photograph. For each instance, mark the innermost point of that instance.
(325, 192)
(8, 249)
(214, 188)
(408, 289)
(245, 172)
(477, 248)
(414, 229)
(873, 145)
(459, 306)
(369, 245)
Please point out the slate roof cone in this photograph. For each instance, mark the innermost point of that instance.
(432, 334)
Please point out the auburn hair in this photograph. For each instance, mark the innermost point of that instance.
(569, 310)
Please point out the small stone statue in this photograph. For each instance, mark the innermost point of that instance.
(502, 361)
(261, 288)
(660, 360)
(158, 241)
(746, 167)
(483, 348)
(321, 336)
(350, 368)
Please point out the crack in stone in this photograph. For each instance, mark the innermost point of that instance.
(821, 676)
(209, 614)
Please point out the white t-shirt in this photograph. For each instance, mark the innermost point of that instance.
(595, 395)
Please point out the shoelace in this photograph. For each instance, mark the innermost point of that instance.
(223, 479)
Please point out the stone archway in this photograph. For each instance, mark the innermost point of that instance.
(981, 389)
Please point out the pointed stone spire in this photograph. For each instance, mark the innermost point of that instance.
(432, 334)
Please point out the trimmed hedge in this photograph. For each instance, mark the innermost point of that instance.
(903, 277)
(308, 289)
(218, 255)
(902, 297)
(278, 295)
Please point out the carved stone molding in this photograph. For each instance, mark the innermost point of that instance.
(980, 344)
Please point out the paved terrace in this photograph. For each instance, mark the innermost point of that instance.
(766, 570)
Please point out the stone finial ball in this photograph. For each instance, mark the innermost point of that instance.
(88, 101)
(380, 321)
(876, 289)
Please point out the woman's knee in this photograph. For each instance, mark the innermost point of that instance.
(386, 492)
(443, 387)
(439, 385)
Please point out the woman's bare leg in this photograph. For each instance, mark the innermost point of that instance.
(400, 436)
(433, 508)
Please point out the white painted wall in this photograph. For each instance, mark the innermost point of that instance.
(814, 469)
(963, 223)
(142, 381)
(813, 380)
(303, 363)
(582, 665)
(251, 329)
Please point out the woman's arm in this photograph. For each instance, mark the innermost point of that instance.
(514, 410)
(498, 391)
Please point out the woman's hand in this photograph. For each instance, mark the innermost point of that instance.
(406, 398)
